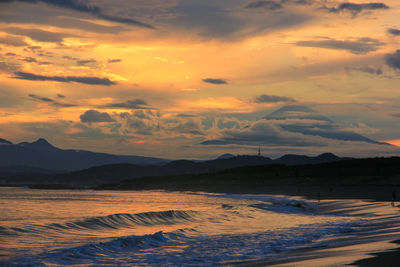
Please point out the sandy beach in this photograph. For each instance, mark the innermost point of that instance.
(376, 244)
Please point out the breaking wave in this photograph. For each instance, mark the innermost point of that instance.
(114, 221)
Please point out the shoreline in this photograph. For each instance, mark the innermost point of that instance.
(385, 258)
(385, 254)
(378, 244)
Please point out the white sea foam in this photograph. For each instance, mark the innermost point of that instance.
(180, 249)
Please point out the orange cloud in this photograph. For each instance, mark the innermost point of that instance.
(395, 142)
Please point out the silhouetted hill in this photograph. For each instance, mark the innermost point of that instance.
(41, 154)
(238, 161)
(4, 141)
(350, 173)
(117, 172)
(226, 156)
(291, 159)
(20, 170)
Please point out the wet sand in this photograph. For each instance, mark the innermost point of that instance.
(375, 244)
(369, 254)
(388, 258)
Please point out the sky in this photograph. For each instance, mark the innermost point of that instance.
(200, 78)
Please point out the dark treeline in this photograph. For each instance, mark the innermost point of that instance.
(355, 172)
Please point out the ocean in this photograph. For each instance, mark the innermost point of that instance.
(158, 228)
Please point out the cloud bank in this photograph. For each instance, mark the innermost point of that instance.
(80, 6)
(357, 46)
(215, 81)
(95, 116)
(66, 79)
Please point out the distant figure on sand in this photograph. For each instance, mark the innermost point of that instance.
(393, 197)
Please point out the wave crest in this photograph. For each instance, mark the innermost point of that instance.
(114, 221)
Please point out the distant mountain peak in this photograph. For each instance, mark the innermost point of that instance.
(226, 156)
(296, 112)
(4, 141)
(327, 155)
(40, 143)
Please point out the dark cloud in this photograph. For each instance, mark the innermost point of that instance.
(209, 19)
(13, 41)
(34, 47)
(45, 63)
(215, 81)
(225, 19)
(130, 104)
(67, 79)
(393, 60)
(188, 127)
(30, 59)
(56, 18)
(60, 96)
(396, 115)
(126, 20)
(10, 54)
(37, 35)
(329, 131)
(357, 8)
(290, 126)
(34, 60)
(80, 6)
(376, 71)
(143, 122)
(357, 46)
(95, 116)
(114, 60)
(70, 58)
(222, 124)
(49, 101)
(270, 5)
(85, 61)
(394, 31)
(144, 114)
(46, 54)
(272, 99)
(40, 98)
(260, 132)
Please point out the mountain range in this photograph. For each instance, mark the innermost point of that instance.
(41, 163)
(41, 154)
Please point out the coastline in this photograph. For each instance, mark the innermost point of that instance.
(379, 251)
(379, 246)
(386, 258)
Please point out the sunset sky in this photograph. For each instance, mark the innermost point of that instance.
(196, 78)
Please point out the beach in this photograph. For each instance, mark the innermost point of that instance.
(380, 248)
(198, 228)
(377, 246)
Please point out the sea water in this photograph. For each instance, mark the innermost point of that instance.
(131, 228)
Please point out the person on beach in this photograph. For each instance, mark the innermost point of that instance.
(393, 198)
